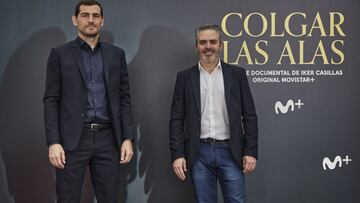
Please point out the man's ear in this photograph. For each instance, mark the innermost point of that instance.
(74, 20)
(196, 46)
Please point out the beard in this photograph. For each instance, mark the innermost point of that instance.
(209, 55)
(89, 34)
(207, 51)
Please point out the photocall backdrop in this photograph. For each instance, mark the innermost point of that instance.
(301, 58)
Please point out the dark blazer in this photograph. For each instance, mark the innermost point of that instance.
(185, 117)
(65, 94)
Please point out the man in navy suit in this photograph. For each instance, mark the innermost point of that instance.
(213, 124)
(88, 120)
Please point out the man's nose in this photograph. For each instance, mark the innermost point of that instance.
(207, 45)
(91, 18)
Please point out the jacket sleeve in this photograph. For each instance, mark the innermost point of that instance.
(51, 98)
(249, 117)
(177, 117)
(127, 126)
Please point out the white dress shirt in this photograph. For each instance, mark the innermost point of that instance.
(214, 114)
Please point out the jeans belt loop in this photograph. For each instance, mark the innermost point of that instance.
(92, 126)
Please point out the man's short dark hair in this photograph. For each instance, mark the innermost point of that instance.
(87, 3)
(207, 27)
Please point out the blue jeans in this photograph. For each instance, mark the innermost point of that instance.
(216, 162)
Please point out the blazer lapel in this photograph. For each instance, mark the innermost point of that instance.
(227, 74)
(195, 81)
(106, 62)
(76, 52)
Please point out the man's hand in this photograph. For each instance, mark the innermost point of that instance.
(126, 152)
(249, 164)
(179, 166)
(57, 156)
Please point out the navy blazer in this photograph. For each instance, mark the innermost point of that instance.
(65, 94)
(185, 116)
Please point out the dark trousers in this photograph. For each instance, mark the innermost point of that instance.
(96, 149)
(216, 162)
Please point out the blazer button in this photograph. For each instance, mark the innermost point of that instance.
(82, 115)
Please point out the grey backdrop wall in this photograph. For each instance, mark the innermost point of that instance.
(305, 88)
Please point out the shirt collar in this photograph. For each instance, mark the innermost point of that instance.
(83, 44)
(218, 67)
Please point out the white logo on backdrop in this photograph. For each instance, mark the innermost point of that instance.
(338, 161)
(289, 105)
